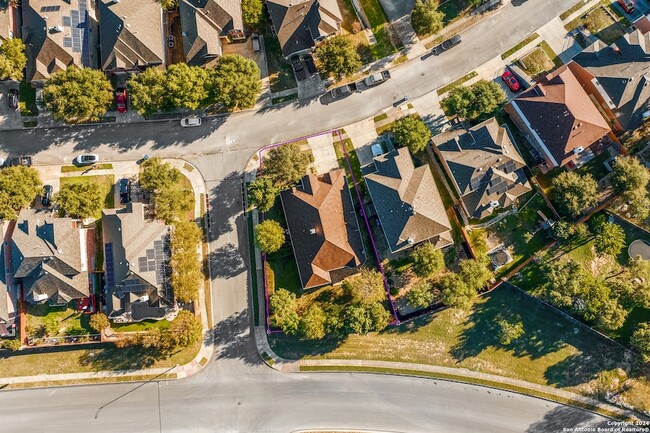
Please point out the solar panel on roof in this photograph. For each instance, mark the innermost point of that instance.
(110, 267)
(67, 21)
(45, 9)
(510, 167)
(67, 42)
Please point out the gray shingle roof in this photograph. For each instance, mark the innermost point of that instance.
(485, 166)
(407, 201)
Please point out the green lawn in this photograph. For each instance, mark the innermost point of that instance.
(600, 23)
(553, 351)
(27, 99)
(72, 168)
(571, 10)
(105, 182)
(520, 45)
(145, 325)
(456, 83)
(377, 19)
(280, 73)
(536, 62)
(282, 262)
(69, 320)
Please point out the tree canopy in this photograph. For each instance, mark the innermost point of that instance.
(420, 295)
(77, 95)
(412, 132)
(19, 185)
(252, 12)
(362, 319)
(427, 260)
(426, 19)
(148, 91)
(510, 331)
(80, 199)
(156, 175)
(12, 59)
(283, 307)
(455, 293)
(269, 236)
(171, 204)
(235, 81)
(475, 274)
(610, 239)
(186, 329)
(640, 340)
(262, 193)
(338, 56)
(367, 287)
(99, 322)
(286, 165)
(186, 267)
(629, 174)
(574, 193)
(475, 102)
(186, 86)
(312, 323)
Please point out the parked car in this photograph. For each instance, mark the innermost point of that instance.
(377, 78)
(447, 45)
(48, 192)
(121, 99)
(87, 159)
(19, 160)
(311, 66)
(343, 91)
(256, 42)
(188, 122)
(298, 68)
(511, 81)
(627, 5)
(12, 99)
(125, 190)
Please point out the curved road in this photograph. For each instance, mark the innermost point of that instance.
(236, 392)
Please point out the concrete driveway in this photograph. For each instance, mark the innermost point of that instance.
(396, 9)
(9, 119)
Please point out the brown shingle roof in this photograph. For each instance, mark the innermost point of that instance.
(323, 227)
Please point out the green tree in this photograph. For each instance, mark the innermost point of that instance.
(574, 193)
(638, 203)
(640, 340)
(412, 132)
(426, 19)
(475, 102)
(80, 199)
(252, 12)
(186, 86)
(186, 267)
(362, 319)
(339, 56)
(455, 293)
(78, 95)
(610, 239)
(562, 230)
(367, 287)
(420, 295)
(99, 322)
(611, 315)
(510, 331)
(12, 59)
(262, 193)
(269, 236)
(51, 326)
(169, 5)
(147, 91)
(379, 316)
(629, 174)
(312, 324)
(19, 185)
(334, 318)
(235, 82)
(475, 274)
(186, 329)
(286, 165)
(13, 344)
(427, 260)
(283, 309)
(171, 204)
(157, 175)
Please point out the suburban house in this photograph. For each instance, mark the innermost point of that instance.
(50, 258)
(616, 77)
(323, 228)
(484, 165)
(407, 201)
(300, 24)
(561, 121)
(58, 34)
(8, 295)
(7, 21)
(136, 255)
(207, 25)
(131, 35)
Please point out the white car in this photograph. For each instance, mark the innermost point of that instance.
(87, 159)
(187, 122)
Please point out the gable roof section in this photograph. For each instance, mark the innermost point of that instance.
(323, 227)
(484, 164)
(49, 255)
(298, 24)
(407, 201)
(562, 114)
(131, 33)
(623, 73)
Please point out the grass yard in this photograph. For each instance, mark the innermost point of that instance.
(536, 63)
(70, 321)
(73, 168)
(105, 182)
(599, 22)
(280, 73)
(251, 250)
(567, 13)
(145, 325)
(553, 351)
(27, 99)
(379, 25)
(97, 357)
(282, 262)
(519, 46)
(460, 81)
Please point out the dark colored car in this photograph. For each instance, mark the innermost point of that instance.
(19, 160)
(48, 192)
(12, 99)
(343, 91)
(125, 190)
(298, 68)
(311, 66)
(627, 5)
(121, 100)
(447, 45)
(511, 81)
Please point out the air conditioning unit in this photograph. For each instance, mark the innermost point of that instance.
(578, 150)
(494, 203)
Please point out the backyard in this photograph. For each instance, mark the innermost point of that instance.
(43, 320)
(379, 25)
(600, 22)
(280, 73)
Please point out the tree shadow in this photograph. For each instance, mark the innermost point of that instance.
(566, 418)
(226, 201)
(292, 347)
(234, 339)
(575, 370)
(226, 262)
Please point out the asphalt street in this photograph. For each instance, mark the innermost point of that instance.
(236, 392)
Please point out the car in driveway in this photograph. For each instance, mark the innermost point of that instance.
(189, 122)
(121, 100)
(87, 159)
(12, 99)
(125, 190)
(511, 81)
(627, 5)
(447, 45)
(48, 192)
(298, 68)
